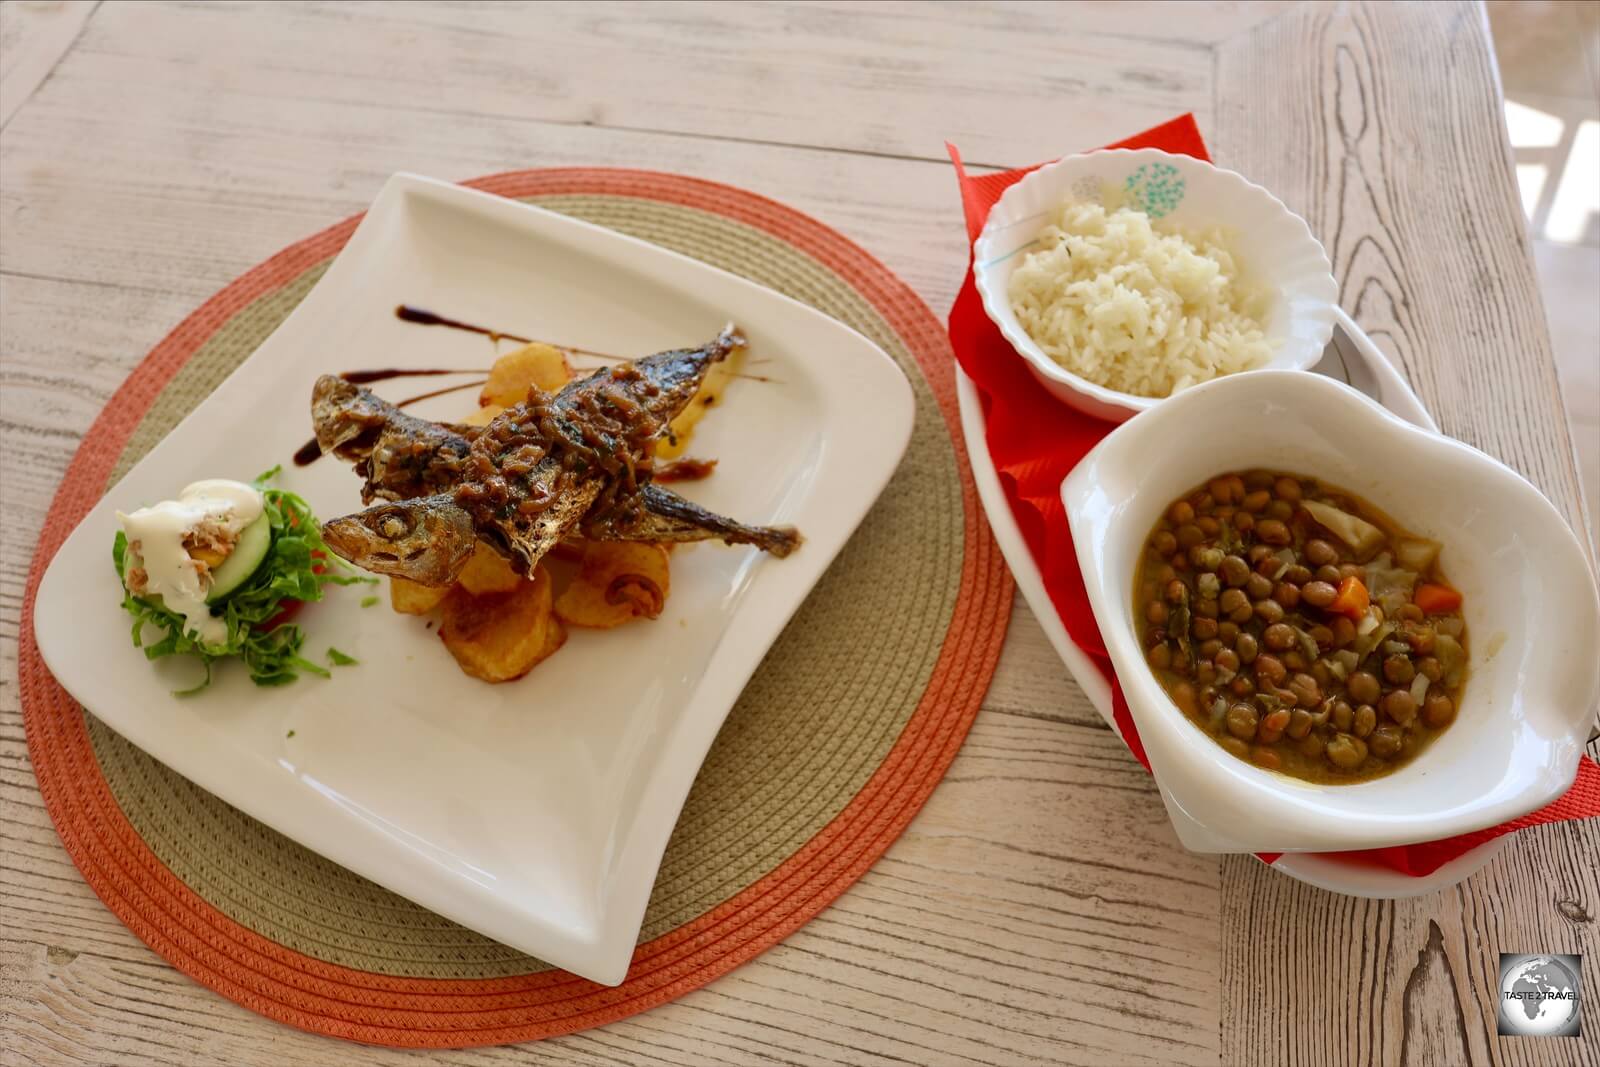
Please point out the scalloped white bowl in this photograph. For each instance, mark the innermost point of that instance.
(1274, 246)
(1530, 604)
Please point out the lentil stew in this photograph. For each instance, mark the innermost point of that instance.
(1299, 627)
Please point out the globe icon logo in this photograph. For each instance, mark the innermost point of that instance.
(1539, 995)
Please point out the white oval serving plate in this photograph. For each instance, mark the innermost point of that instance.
(1350, 358)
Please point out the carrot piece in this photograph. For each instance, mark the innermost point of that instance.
(1351, 601)
(1436, 599)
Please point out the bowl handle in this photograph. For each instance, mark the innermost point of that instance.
(1393, 391)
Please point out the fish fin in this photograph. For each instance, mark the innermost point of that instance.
(668, 517)
(527, 543)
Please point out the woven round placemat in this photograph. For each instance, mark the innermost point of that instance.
(833, 747)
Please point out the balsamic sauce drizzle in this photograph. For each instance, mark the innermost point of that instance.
(309, 452)
(363, 377)
(422, 317)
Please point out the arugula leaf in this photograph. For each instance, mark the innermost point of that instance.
(296, 567)
(341, 659)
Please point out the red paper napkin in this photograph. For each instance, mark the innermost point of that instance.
(1035, 440)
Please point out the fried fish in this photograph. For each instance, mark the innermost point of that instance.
(575, 462)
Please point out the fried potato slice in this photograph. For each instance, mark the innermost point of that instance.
(617, 582)
(502, 636)
(413, 598)
(483, 416)
(488, 572)
(717, 380)
(555, 635)
(515, 372)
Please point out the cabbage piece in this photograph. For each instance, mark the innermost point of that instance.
(1178, 625)
(1416, 553)
(1389, 585)
(1358, 533)
(1365, 643)
(1308, 644)
(1452, 658)
(1419, 688)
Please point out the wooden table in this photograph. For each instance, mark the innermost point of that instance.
(1040, 907)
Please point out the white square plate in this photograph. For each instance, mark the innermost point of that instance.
(535, 812)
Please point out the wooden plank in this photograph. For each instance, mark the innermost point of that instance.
(33, 38)
(904, 209)
(994, 80)
(1411, 189)
(1433, 259)
(1031, 680)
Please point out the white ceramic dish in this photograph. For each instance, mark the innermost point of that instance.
(1272, 243)
(534, 812)
(1530, 606)
(1351, 358)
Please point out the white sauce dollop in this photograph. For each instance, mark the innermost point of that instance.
(215, 504)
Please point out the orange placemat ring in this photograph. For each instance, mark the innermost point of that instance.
(334, 973)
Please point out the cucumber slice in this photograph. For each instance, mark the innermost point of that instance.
(254, 541)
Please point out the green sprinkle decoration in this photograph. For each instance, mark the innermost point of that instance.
(1155, 188)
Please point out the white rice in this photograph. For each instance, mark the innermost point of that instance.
(1138, 308)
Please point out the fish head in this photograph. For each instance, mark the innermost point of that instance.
(346, 417)
(428, 540)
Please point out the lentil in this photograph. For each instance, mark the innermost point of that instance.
(1237, 590)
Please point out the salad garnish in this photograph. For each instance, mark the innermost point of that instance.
(254, 615)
